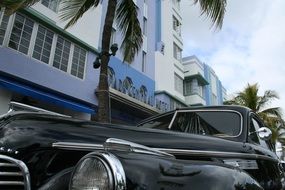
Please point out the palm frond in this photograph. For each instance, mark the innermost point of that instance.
(274, 112)
(230, 102)
(12, 6)
(128, 23)
(268, 96)
(73, 10)
(214, 9)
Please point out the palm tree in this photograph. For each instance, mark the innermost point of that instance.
(272, 117)
(128, 23)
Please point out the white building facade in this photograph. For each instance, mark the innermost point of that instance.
(201, 84)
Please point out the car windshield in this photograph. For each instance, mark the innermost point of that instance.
(215, 123)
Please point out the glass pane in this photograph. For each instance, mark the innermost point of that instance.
(3, 27)
(62, 52)
(78, 62)
(43, 44)
(216, 123)
(21, 34)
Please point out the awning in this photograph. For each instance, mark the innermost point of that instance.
(44, 95)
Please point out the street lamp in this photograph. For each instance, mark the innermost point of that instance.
(97, 63)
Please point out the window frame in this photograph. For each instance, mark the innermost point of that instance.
(177, 87)
(49, 5)
(177, 52)
(263, 143)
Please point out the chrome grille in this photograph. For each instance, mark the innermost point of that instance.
(14, 174)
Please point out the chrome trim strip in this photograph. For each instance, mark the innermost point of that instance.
(171, 152)
(123, 145)
(244, 164)
(11, 183)
(210, 110)
(24, 169)
(33, 109)
(10, 173)
(221, 154)
(78, 146)
(111, 144)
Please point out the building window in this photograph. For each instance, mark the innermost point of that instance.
(21, 34)
(177, 52)
(187, 88)
(178, 83)
(61, 55)
(42, 48)
(144, 26)
(143, 61)
(51, 4)
(176, 25)
(3, 26)
(78, 62)
(174, 104)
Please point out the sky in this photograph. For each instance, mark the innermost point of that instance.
(250, 47)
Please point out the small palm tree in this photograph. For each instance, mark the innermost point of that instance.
(127, 21)
(272, 117)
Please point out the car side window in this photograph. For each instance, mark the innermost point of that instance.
(253, 137)
(255, 125)
(213, 123)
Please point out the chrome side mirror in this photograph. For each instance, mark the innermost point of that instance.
(264, 133)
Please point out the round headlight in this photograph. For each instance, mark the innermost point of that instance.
(92, 173)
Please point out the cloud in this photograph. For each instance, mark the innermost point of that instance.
(250, 47)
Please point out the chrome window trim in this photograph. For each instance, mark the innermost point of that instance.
(155, 117)
(210, 110)
(24, 169)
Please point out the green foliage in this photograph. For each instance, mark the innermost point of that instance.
(73, 10)
(214, 9)
(13, 5)
(128, 23)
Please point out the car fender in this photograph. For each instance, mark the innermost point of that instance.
(156, 172)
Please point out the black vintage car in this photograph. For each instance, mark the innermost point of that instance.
(201, 148)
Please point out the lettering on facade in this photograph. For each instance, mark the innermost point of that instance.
(127, 87)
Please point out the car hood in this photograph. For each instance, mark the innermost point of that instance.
(39, 131)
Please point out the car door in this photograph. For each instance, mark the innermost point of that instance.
(268, 173)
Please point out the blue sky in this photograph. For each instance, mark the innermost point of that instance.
(250, 48)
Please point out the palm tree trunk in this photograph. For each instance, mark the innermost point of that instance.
(103, 91)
